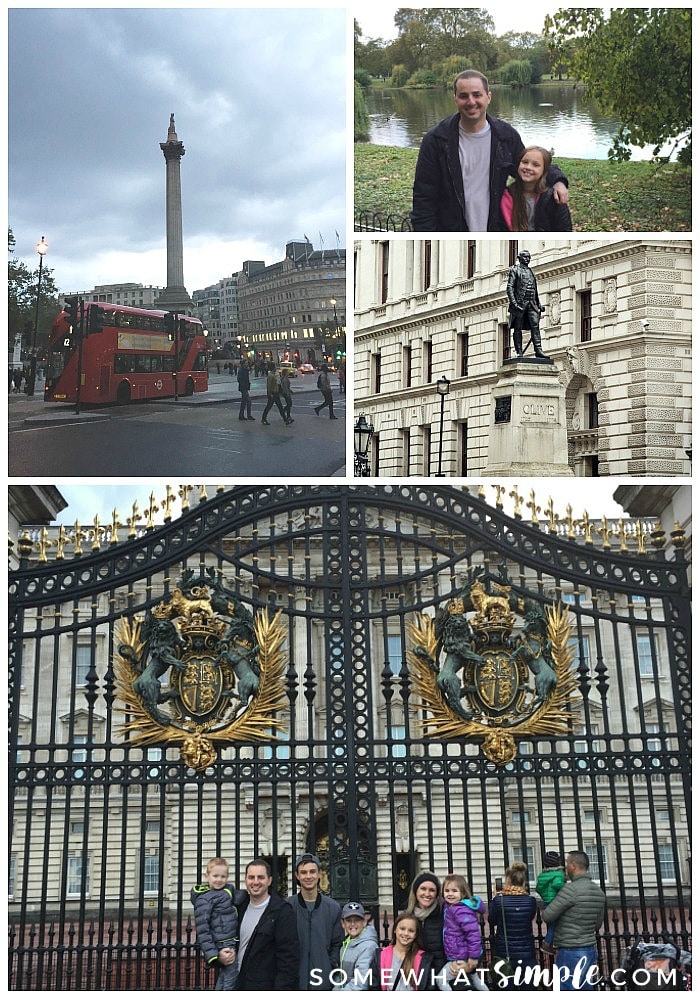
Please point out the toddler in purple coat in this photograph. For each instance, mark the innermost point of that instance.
(462, 932)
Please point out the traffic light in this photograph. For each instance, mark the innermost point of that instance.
(71, 310)
(169, 321)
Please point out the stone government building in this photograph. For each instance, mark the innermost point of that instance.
(617, 325)
(108, 834)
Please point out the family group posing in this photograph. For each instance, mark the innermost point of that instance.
(258, 941)
(465, 165)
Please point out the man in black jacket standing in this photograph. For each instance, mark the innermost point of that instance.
(318, 925)
(268, 953)
(464, 164)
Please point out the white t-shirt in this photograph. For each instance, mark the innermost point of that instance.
(475, 159)
(252, 917)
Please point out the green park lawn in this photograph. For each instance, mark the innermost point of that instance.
(605, 197)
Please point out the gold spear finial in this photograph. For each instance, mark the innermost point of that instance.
(42, 544)
(62, 539)
(570, 522)
(621, 535)
(499, 496)
(96, 532)
(184, 494)
(167, 504)
(587, 528)
(605, 531)
(640, 537)
(132, 520)
(551, 516)
(78, 536)
(517, 500)
(151, 512)
(114, 528)
(534, 509)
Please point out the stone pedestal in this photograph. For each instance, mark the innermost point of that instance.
(527, 432)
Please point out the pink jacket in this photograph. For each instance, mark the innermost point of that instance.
(385, 959)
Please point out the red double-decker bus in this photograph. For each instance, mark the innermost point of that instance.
(102, 353)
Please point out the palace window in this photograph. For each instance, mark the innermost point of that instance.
(78, 879)
(586, 312)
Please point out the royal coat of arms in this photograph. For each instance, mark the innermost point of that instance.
(199, 669)
(478, 680)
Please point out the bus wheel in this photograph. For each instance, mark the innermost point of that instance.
(123, 394)
(189, 387)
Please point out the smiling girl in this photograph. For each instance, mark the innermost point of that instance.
(404, 966)
(528, 205)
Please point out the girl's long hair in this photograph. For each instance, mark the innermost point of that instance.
(519, 221)
(407, 963)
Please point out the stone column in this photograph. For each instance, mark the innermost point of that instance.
(527, 427)
(175, 297)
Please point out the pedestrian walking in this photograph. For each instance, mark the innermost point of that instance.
(324, 386)
(286, 394)
(243, 377)
(273, 397)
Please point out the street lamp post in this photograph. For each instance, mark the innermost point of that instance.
(363, 432)
(443, 387)
(336, 327)
(41, 248)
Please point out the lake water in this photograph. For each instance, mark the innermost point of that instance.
(559, 118)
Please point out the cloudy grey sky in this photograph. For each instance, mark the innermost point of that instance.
(259, 101)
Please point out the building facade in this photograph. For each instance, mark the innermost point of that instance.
(617, 325)
(138, 296)
(294, 308)
(111, 830)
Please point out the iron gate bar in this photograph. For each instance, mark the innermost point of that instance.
(349, 567)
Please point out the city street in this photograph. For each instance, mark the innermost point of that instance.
(195, 437)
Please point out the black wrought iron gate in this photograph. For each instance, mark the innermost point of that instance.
(108, 834)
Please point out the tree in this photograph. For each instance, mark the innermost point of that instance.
(516, 73)
(361, 127)
(429, 35)
(636, 61)
(21, 295)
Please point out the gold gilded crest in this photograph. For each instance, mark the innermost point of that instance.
(479, 681)
(200, 670)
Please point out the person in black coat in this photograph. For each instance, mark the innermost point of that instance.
(268, 954)
(447, 198)
(425, 902)
(511, 915)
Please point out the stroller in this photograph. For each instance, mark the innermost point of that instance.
(650, 967)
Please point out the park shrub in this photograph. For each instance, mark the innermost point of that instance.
(361, 116)
(422, 78)
(364, 78)
(399, 75)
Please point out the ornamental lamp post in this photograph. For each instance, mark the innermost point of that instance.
(41, 248)
(443, 387)
(363, 432)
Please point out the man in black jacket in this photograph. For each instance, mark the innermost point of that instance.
(464, 164)
(318, 925)
(268, 953)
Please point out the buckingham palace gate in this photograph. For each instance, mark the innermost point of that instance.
(397, 679)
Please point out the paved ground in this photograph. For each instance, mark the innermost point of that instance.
(199, 433)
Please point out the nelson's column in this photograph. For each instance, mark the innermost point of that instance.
(174, 297)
